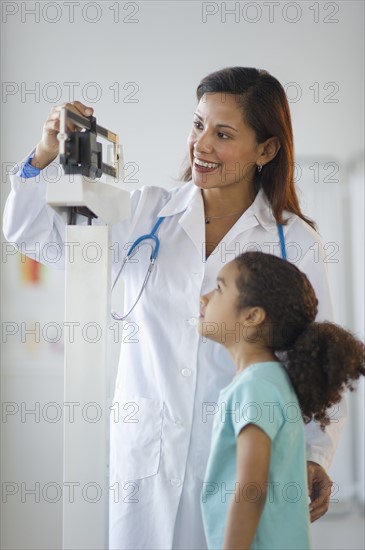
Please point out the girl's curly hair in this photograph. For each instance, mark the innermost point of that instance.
(322, 359)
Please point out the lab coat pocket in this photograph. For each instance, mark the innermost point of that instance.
(136, 428)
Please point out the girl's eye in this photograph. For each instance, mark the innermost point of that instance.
(222, 135)
(218, 289)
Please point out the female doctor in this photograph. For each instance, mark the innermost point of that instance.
(238, 194)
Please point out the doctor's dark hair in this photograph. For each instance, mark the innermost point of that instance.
(265, 109)
(321, 359)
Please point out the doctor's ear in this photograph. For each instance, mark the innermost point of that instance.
(270, 149)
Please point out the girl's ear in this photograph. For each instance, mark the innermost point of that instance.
(254, 315)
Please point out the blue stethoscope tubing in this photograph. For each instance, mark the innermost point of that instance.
(152, 235)
(282, 241)
(132, 250)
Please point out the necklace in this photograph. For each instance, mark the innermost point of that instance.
(209, 218)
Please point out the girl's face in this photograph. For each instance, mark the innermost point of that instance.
(219, 319)
(223, 149)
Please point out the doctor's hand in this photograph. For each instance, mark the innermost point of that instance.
(319, 490)
(47, 149)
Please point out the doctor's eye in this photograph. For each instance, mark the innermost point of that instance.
(197, 124)
(218, 288)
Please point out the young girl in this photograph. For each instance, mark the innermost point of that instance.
(255, 491)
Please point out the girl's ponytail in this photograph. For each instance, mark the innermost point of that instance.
(323, 361)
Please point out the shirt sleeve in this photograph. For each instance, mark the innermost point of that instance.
(313, 264)
(28, 171)
(33, 227)
(321, 445)
(258, 403)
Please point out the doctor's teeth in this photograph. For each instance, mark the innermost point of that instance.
(206, 164)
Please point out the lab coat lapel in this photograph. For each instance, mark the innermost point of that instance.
(235, 241)
(189, 201)
(192, 222)
(231, 244)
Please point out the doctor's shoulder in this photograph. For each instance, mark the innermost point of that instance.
(149, 200)
(303, 243)
(306, 249)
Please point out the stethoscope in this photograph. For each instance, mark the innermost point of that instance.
(131, 252)
(153, 257)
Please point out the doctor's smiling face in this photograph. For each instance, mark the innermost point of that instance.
(223, 149)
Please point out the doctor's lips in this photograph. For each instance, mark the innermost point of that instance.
(201, 165)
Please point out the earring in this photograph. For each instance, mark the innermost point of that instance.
(259, 167)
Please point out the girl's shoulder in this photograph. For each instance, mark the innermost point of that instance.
(258, 381)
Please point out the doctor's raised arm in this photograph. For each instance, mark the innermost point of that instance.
(30, 224)
(237, 193)
(27, 217)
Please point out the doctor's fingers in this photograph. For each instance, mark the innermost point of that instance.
(76, 107)
(53, 124)
(319, 506)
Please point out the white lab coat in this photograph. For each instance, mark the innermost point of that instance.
(169, 378)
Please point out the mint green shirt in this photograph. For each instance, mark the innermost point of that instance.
(262, 395)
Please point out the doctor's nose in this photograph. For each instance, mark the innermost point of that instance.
(203, 144)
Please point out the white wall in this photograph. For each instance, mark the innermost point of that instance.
(159, 51)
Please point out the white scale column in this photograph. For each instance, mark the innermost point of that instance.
(87, 317)
(86, 491)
